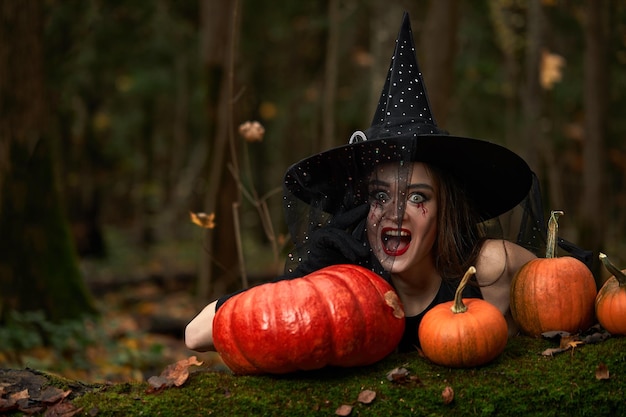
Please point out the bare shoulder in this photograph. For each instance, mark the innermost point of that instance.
(499, 260)
(497, 264)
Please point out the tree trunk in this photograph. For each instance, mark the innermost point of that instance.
(438, 46)
(503, 15)
(38, 263)
(593, 213)
(218, 266)
(532, 97)
(384, 24)
(330, 76)
(534, 146)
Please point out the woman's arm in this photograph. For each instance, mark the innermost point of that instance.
(497, 264)
(199, 331)
(331, 245)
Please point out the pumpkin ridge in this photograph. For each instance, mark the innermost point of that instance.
(340, 356)
(531, 321)
(233, 341)
(329, 333)
(314, 351)
(493, 344)
(366, 288)
(468, 333)
(231, 352)
(465, 330)
(588, 302)
(261, 300)
(256, 300)
(381, 288)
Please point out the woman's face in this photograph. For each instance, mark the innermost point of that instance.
(402, 244)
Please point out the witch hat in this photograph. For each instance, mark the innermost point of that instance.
(403, 129)
(403, 103)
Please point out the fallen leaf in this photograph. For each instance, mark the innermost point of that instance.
(555, 335)
(173, 375)
(33, 409)
(344, 410)
(392, 300)
(43, 401)
(366, 396)
(447, 395)
(19, 395)
(62, 409)
(552, 351)
(51, 395)
(158, 382)
(203, 220)
(602, 372)
(7, 405)
(569, 341)
(398, 375)
(573, 344)
(596, 337)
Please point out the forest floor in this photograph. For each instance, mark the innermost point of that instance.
(144, 298)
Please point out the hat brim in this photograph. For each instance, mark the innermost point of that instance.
(495, 178)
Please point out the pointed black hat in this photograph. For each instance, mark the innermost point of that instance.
(403, 108)
(403, 129)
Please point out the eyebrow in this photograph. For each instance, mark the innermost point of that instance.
(418, 186)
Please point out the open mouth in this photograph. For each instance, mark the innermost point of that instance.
(395, 241)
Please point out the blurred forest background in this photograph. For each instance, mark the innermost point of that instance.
(118, 119)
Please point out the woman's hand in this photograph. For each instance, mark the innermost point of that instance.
(199, 331)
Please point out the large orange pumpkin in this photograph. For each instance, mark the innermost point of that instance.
(553, 294)
(464, 332)
(342, 315)
(611, 300)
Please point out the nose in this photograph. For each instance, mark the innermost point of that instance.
(394, 210)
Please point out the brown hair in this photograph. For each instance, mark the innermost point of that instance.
(459, 237)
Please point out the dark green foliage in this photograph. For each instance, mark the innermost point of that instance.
(86, 348)
(23, 332)
(519, 383)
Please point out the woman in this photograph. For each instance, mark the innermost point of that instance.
(406, 200)
(424, 260)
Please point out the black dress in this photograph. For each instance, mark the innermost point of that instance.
(410, 340)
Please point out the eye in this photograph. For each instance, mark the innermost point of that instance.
(417, 198)
(379, 196)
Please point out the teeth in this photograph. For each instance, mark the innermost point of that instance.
(400, 233)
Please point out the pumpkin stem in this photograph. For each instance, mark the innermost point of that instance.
(458, 306)
(553, 232)
(619, 275)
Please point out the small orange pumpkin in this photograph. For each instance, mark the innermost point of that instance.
(553, 294)
(463, 333)
(611, 300)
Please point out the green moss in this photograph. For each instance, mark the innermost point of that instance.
(520, 382)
